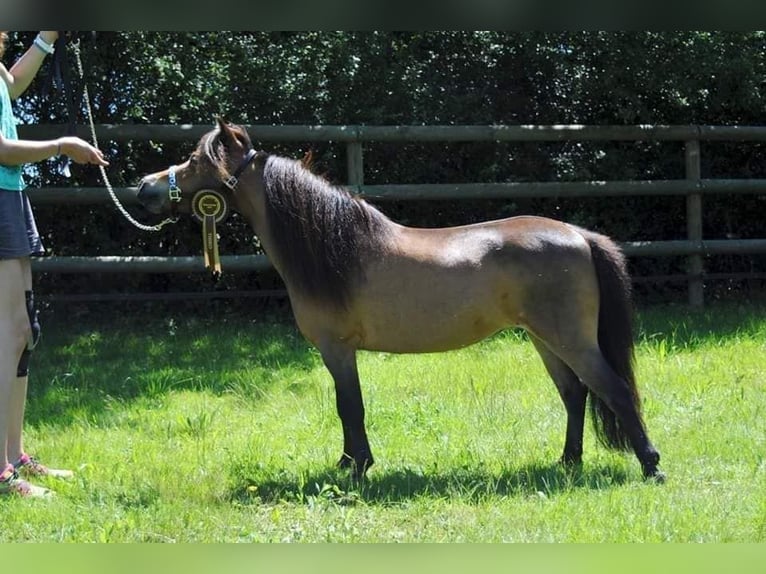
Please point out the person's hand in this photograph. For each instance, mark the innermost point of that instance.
(81, 151)
(49, 36)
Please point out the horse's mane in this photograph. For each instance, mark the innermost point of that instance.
(323, 232)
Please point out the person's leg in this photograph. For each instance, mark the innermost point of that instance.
(18, 393)
(14, 331)
(28, 466)
(14, 334)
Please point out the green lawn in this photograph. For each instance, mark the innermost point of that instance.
(195, 428)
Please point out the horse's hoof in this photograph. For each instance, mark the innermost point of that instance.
(655, 476)
(570, 462)
(361, 468)
(345, 461)
(358, 469)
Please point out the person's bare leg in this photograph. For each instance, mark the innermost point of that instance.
(14, 334)
(27, 466)
(18, 392)
(14, 330)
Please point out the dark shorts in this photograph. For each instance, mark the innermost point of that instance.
(18, 231)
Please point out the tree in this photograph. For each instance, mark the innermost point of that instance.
(421, 78)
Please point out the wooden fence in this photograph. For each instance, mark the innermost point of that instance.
(693, 187)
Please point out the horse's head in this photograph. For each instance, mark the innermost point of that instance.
(206, 181)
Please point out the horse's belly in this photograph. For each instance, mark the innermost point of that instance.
(420, 307)
(402, 330)
(425, 342)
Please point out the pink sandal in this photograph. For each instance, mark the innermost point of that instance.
(29, 466)
(11, 484)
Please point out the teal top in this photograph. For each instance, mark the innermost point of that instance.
(10, 175)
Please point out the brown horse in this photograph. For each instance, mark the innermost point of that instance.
(358, 280)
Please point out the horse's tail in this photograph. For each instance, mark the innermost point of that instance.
(615, 334)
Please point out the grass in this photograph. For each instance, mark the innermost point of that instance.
(223, 429)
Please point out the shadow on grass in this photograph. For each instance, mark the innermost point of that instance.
(81, 368)
(468, 484)
(685, 327)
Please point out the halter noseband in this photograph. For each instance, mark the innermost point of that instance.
(174, 192)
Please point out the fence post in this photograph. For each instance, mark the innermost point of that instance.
(694, 223)
(355, 163)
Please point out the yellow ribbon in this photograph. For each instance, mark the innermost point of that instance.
(209, 207)
(210, 243)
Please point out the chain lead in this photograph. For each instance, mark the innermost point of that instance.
(86, 98)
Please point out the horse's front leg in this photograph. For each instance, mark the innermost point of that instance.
(340, 360)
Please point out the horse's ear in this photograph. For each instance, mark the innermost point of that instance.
(228, 133)
(224, 127)
(232, 134)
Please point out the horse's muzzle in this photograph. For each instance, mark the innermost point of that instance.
(151, 197)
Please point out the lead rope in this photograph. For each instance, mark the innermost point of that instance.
(86, 98)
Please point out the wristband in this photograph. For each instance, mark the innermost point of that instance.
(43, 45)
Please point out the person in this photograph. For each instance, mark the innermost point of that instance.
(19, 239)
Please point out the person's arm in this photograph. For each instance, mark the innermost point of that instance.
(25, 69)
(18, 152)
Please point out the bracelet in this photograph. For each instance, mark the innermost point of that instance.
(43, 45)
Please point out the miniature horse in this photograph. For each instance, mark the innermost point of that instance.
(358, 280)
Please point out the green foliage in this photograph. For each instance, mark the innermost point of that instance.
(414, 78)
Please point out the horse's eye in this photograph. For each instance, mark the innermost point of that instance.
(193, 160)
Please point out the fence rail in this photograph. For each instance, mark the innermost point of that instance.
(362, 133)
(693, 187)
(258, 262)
(457, 191)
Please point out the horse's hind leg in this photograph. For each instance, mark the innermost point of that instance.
(595, 371)
(340, 360)
(572, 337)
(573, 394)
